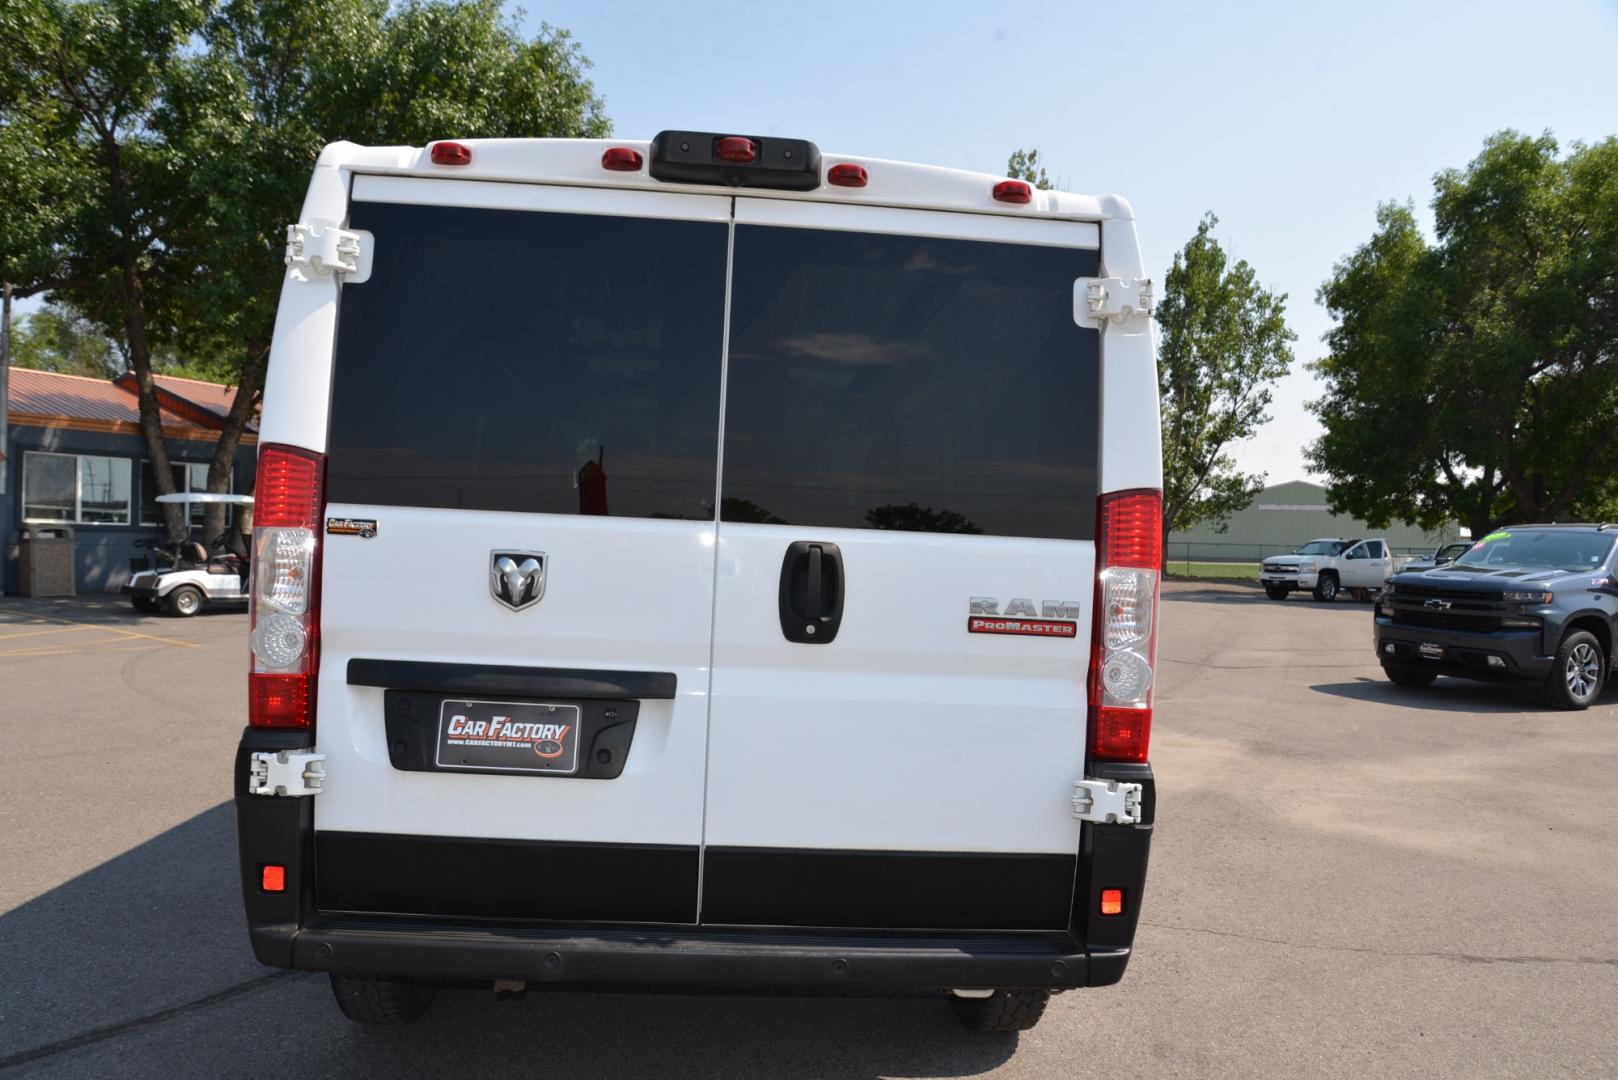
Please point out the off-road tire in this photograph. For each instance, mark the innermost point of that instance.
(1002, 1011)
(1326, 588)
(1276, 592)
(1406, 675)
(1579, 673)
(183, 602)
(146, 605)
(372, 999)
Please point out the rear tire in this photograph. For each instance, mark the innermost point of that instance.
(1579, 674)
(1276, 592)
(1326, 588)
(184, 601)
(1002, 1011)
(371, 999)
(144, 604)
(1400, 675)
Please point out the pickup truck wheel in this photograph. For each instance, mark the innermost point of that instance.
(371, 999)
(1276, 592)
(1326, 588)
(1003, 1010)
(1579, 673)
(184, 601)
(1400, 675)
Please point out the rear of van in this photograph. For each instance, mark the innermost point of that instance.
(702, 561)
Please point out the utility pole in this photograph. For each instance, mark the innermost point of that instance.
(5, 395)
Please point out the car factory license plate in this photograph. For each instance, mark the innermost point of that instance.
(508, 736)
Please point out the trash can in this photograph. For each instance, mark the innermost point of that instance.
(45, 560)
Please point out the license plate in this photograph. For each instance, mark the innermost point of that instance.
(508, 736)
(1432, 650)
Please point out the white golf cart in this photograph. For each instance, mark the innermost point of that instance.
(181, 578)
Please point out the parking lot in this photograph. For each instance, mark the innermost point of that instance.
(1348, 879)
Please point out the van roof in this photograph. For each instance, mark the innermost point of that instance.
(578, 162)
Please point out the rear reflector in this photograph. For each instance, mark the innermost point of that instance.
(734, 148)
(1013, 191)
(621, 159)
(289, 500)
(1123, 641)
(847, 175)
(1112, 901)
(451, 153)
(273, 878)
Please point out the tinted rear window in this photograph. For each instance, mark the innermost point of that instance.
(897, 382)
(540, 362)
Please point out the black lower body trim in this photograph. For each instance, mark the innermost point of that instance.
(505, 879)
(909, 890)
(419, 948)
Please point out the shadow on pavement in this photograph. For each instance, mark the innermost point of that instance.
(99, 609)
(1452, 695)
(141, 967)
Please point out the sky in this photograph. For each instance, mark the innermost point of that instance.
(1290, 121)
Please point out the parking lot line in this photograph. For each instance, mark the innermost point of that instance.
(115, 629)
(52, 630)
(80, 650)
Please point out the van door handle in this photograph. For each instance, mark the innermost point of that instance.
(811, 597)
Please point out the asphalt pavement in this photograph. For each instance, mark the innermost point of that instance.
(1349, 879)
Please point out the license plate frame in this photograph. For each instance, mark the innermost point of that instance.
(1430, 650)
(538, 738)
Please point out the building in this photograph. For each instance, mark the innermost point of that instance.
(1284, 516)
(76, 457)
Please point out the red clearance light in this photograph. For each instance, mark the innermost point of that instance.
(847, 175)
(451, 153)
(735, 148)
(1112, 901)
(1013, 191)
(273, 878)
(621, 159)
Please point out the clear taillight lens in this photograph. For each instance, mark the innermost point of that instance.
(1123, 648)
(288, 502)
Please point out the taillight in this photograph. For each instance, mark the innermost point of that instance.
(1013, 191)
(1123, 639)
(288, 499)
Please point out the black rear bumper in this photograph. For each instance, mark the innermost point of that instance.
(296, 928)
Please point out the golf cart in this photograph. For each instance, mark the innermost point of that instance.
(181, 578)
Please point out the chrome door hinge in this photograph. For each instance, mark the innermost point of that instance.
(323, 249)
(1106, 802)
(1099, 300)
(287, 772)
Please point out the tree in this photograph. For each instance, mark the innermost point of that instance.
(57, 338)
(1024, 165)
(1223, 342)
(1475, 378)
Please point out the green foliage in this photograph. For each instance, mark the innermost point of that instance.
(1025, 165)
(57, 338)
(1223, 342)
(1476, 377)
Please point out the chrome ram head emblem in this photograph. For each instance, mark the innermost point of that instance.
(517, 578)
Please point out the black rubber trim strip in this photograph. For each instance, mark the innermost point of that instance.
(915, 890)
(516, 681)
(505, 879)
(424, 948)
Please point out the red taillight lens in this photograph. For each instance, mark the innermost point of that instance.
(847, 175)
(289, 499)
(735, 148)
(621, 159)
(1123, 641)
(272, 877)
(451, 153)
(1112, 901)
(1013, 191)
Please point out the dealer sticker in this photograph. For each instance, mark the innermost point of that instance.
(508, 736)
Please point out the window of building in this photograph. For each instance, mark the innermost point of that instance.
(188, 476)
(81, 489)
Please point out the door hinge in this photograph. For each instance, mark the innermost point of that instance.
(287, 772)
(1106, 802)
(323, 249)
(1099, 300)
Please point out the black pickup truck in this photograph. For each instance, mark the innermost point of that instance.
(1528, 603)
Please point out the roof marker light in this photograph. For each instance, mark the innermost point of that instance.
(847, 175)
(1013, 191)
(451, 153)
(621, 159)
(735, 148)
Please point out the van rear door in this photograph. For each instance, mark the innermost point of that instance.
(518, 570)
(906, 570)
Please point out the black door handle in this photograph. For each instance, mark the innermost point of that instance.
(811, 592)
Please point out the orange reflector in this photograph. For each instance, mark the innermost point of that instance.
(1112, 901)
(273, 878)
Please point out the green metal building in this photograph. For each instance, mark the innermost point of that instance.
(1284, 516)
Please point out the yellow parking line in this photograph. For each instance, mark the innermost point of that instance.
(71, 651)
(119, 630)
(52, 630)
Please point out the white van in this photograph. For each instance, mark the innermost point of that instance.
(683, 562)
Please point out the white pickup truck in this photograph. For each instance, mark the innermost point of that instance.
(1328, 566)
